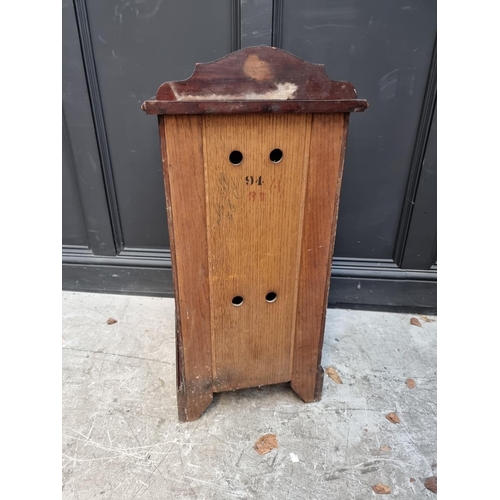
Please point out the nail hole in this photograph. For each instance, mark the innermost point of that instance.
(271, 297)
(236, 157)
(276, 155)
(237, 301)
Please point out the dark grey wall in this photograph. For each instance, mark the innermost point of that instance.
(73, 226)
(116, 55)
(421, 244)
(81, 158)
(385, 49)
(137, 46)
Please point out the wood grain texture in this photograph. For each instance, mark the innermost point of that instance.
(247, 230)
(246, 107)
(254, 226)
(326, 159)
(256, 80)
(186, 211)
(245, 225)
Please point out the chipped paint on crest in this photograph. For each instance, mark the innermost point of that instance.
(283, 92)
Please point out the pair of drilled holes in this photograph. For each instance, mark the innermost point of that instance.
(238, 300)
(236, 157)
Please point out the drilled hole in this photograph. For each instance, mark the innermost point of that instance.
(276, 155)
(237, 301)
(271, 297)
(236, 157)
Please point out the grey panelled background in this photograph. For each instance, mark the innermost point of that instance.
(137, 46)
(385, 49)
(115, 55)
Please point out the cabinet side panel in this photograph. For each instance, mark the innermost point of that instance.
(185, 194)
(326, 158)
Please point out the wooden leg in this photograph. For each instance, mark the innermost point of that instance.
(309, 387)
(194, 385)
(192, 404)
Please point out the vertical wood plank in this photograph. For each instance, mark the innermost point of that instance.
(254, 219)
(326, 160)
(182, 155)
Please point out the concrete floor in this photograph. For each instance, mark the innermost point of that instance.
(122, 440)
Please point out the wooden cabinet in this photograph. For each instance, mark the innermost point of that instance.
(253, 150)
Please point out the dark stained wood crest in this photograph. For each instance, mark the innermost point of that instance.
(256, 80)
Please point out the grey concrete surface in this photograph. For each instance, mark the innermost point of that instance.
(122, 440)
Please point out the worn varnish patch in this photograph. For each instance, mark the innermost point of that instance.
(256, 68)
